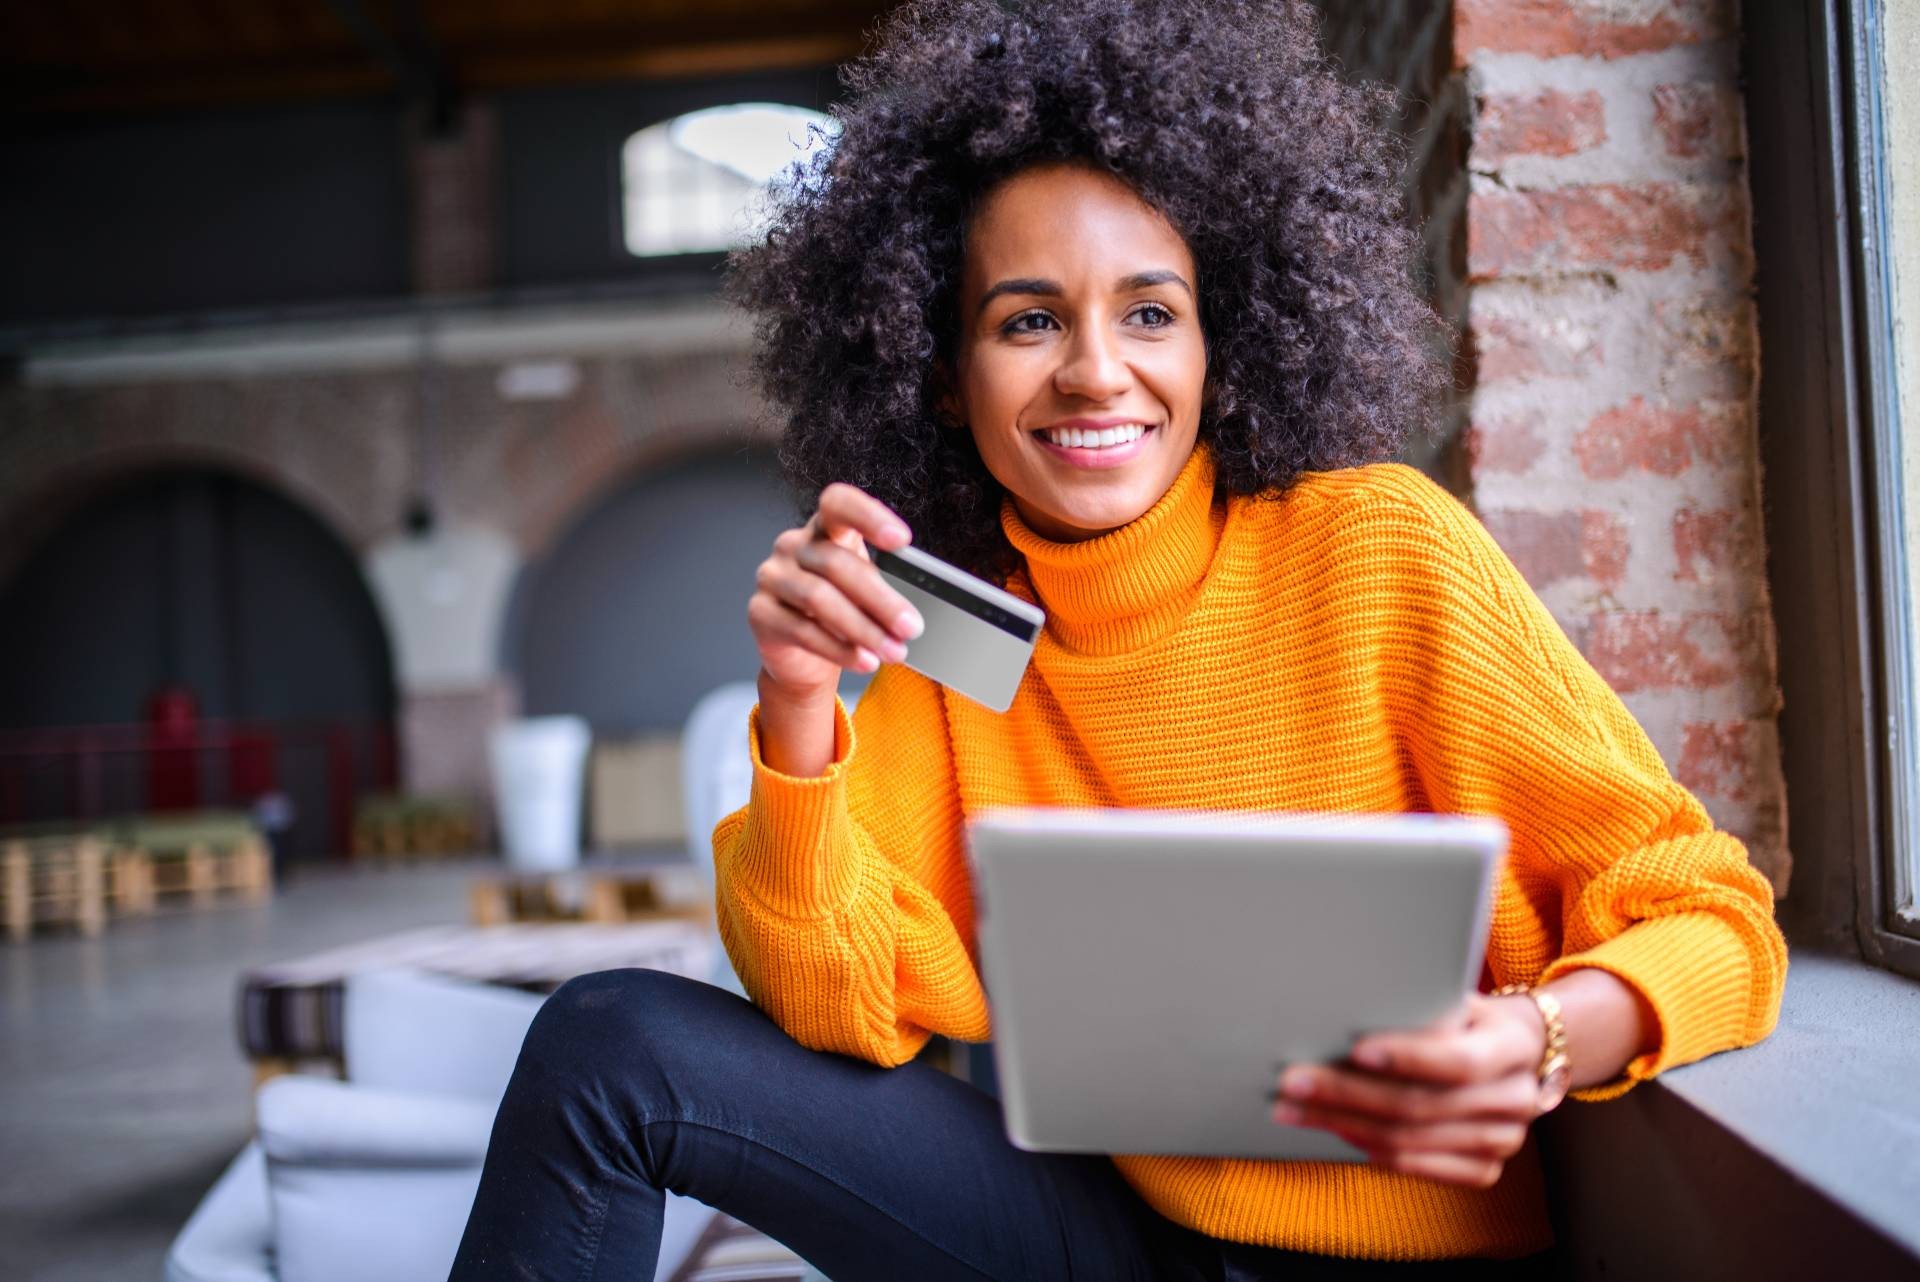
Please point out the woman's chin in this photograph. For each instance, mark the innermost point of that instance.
(1071, 505)
(1076, 523)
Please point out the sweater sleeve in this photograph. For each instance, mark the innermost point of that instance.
(1609, 855)
(844, 900)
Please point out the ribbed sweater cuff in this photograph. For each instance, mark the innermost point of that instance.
(1694, 970)
(788, 859)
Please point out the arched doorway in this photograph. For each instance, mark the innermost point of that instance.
(192, 591)
(640, 607)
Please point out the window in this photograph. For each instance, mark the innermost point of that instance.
(1834, 168)
(1886, 110)
(695, 184)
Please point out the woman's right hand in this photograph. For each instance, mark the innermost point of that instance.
(820, 605)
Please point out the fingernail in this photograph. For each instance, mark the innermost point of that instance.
(909, 625)
(900, 532)
(1369, 1057)
(1288, 1114)
(866, 660)
(1296, 1083)
(893, 650)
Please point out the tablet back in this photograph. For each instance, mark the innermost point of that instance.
(1151, 971)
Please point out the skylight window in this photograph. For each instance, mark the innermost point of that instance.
(697, 183)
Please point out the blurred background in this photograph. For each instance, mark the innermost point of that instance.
(374, 388)
(381, 485)
(364, 400)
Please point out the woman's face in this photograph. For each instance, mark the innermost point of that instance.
(1080, 367)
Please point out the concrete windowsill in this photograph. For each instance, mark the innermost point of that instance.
(1833, 1096)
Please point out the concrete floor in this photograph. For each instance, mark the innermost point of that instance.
(123, 1093)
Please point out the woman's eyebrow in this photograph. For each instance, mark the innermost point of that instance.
(1021, 285)
(1052, 288)
(1146, 280)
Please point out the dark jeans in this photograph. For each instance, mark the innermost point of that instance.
(634, 1081)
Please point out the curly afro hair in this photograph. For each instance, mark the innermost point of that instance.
(1224, 115)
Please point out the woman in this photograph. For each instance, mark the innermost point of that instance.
(1110, 301)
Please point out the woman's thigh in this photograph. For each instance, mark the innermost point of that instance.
(634, 1081)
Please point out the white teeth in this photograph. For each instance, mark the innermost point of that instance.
(1076, 438)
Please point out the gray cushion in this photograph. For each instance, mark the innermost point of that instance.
(229, 1237)
(365, 1184)
(406, 1030)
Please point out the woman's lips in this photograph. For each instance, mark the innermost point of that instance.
(1095, 459)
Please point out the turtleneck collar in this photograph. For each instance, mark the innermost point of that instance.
(1121, 590)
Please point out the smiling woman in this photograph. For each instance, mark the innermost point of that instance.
(1080, 366)
(1109, 301)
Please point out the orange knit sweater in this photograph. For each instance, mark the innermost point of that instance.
(1359, 644)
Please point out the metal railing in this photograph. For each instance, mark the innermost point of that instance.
(85, 773)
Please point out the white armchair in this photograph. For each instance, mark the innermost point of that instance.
(371, 1178)
(402, 1139)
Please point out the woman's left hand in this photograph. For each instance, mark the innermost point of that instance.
(1451, 1102)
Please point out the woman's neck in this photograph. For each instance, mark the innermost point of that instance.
(1117, 590)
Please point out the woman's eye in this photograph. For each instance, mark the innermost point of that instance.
(1028, 323)
(1153, 315)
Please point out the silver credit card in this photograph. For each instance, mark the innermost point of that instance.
(978, 638)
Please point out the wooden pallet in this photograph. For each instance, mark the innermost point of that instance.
(597, 895)
(199, 857)
(84, 882)
(130, 889)
(202, 872)
(73, 881)
(402, 827)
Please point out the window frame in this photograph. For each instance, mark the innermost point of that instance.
(1824, 396)
(1885, 878)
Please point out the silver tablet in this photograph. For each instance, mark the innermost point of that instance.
(1151, 971)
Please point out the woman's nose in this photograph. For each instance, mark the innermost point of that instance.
(1092, 368)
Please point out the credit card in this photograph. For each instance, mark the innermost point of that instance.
(978, 638)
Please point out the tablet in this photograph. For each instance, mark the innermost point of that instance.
(1150, 972)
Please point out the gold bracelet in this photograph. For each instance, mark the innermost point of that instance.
(1556, 1070)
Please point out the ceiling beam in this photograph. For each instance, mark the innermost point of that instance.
(408, 46)
(411, 57)
(658, 62)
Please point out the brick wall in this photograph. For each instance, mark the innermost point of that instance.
(342, 439)
(453, 192)
(1578, 169)
(1611, 326)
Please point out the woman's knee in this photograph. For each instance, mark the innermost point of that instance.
(629, 1024)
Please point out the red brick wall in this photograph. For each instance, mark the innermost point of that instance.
(453, 188)
(341, 439)
(1611, 323)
